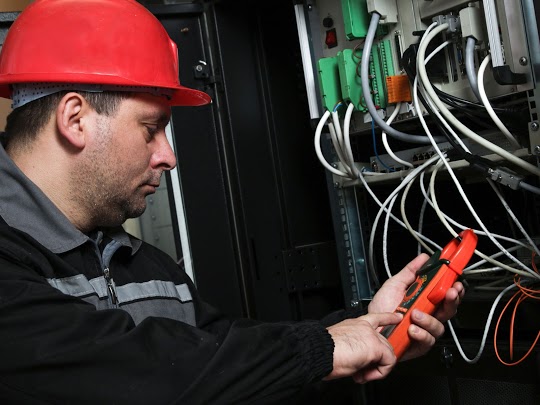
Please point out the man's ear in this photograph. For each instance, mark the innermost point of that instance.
(71, 115)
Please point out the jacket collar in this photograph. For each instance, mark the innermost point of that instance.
(25, 207)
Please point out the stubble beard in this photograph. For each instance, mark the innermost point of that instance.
(103, 188)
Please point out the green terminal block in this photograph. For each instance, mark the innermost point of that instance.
(375, 73)
(349, 75)
(381, 66)
(329, 82)
(387, 65)
(356, 18)
(385, 49)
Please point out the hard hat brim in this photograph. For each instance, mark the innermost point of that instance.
(184, 96)
(181, 95)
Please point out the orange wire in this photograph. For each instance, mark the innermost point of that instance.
(512, 323)
(499, 321)
(512, 326)
(522, 294)
(525, 290)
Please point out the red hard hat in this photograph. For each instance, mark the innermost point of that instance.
(106, 42)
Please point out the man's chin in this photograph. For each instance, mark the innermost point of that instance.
(135, 213)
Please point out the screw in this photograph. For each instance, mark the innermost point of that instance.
(198, 68)
(336, 185)
(537, 150)
(523, 61)
(354, 303)
(184, 30)
(534, 126)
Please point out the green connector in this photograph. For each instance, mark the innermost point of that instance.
(329, 82)
(380, 67)
(385, 48)
(375, 73)
(355, 18)
(351, 85)
(387, 66)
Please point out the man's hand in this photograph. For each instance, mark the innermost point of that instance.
(425, 328)
(360, 350)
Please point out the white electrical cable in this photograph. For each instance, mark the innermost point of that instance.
(337, 127)
(486, 329)
(466, 149)
(420, 61)
(372, 194)
(427, 97)
(421, 220)
(460, 226)
(385, 139)
(421, 69)
(339, 151)
(527, 273)
(406, 220)
(489, 109)
(520, 245)
(318, 151)
(385, 236)
(347, 140)
(349, 161)
(513, 216)
(383, 208)
(407, 225)
(469, 66)
(482, 271)
(472, 267)
(443, 121)
(497, 281)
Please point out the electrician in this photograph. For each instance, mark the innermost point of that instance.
(90, 314)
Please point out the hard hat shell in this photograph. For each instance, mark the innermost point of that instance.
(109, 42)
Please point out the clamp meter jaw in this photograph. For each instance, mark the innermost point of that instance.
(432, 281)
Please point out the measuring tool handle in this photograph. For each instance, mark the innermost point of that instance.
(432, 282)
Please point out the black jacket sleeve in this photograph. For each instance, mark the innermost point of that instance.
(58, 349)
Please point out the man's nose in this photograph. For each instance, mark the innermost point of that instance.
(163, 156)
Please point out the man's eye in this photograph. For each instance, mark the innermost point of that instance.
(151, 130)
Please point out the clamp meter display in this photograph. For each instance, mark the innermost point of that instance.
(433, 279)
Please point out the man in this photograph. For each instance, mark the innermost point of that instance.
(89, 314)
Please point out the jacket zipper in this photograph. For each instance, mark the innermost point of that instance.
(110, 286)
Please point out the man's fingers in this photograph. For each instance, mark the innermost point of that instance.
(426, 323)
(371, 374)
(382, 319)
(449, 306)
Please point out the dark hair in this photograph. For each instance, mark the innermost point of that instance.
(24, 123)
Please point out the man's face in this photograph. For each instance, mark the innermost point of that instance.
(125, 159)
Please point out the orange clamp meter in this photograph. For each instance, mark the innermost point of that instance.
(433, 279)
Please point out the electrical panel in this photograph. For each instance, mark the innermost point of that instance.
(427, 124)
